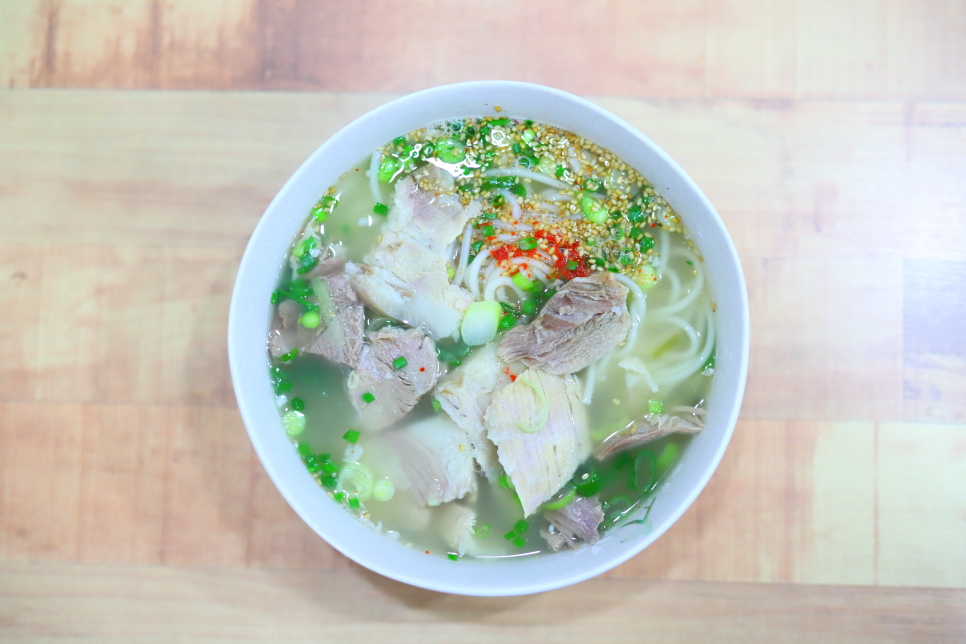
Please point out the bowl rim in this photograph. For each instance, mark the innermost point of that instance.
(235, 345)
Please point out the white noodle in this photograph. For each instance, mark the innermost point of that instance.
(507, 237)
(464, 254)
(497, 282)
(688, 369)
(472, 277)
(590, 379)
(527, 174)
(374, 176)
(693, 292)
(491, 270)
(535, 263)
(637, 309)
(513, 201)
(553, 195)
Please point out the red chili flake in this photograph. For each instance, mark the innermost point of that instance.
(500, 254)
(427, 552)
(513, 378)
(422, 368)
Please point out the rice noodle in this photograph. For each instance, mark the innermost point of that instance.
(637, 310)
(678, 374)
(693, 292)
(527, 174)
(590, 379)
(535, 263)
(507, 237)
(464, 254)
(496, 282)
(374, 176)
(502, 225)
(513, 201)
(472, 277)
(553, 195)
(491, 270)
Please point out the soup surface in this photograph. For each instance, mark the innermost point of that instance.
(493, 338)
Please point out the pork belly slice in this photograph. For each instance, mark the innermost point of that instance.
(339, 336)
(431, 220)
(410, 283)
(383, 393)
(584, 320)
(574, 524)
(466, 392)
(539, 428)
(690, 420)
(436, 458)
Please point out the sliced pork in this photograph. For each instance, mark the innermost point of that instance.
(652, 427)
(584, 320)
(406, 281)
(406, 276)
(574, 524)
(436, 458)
(381, 390)
(466, 392)
(538, 426)
(339, 334)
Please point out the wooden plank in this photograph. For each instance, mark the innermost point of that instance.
(921, 504)
(878, 49)
(152, 603)
(20, 279)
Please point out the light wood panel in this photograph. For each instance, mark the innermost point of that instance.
(153, 603)
(792, 49)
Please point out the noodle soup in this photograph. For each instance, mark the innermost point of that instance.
(493, 338)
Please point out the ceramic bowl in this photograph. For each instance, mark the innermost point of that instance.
(251, 313)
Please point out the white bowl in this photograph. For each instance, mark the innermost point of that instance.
(251, 313)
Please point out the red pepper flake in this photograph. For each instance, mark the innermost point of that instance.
(422, 368)
(500, 254)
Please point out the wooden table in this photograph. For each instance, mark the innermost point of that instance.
(831, 136)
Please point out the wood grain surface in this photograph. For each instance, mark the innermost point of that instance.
(831, 137)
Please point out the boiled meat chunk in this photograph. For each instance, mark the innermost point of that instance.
(406, 281)
(393, 391)
(584, 320)
(338, 337)
(466, 392)
(436, 458)
(540, 431)
(685, 420)
(574, 524)
(431, 220)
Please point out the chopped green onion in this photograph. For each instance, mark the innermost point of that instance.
(588, 486)
(528, 135)
(644, 474)
(354, 503)
(527, 243)
(521, 526)
(488, 231)
(559, 172)
(452, 556)
(437, 406)
(330, 468)
(655, 406)
(689, 262)
(475, 247)
(368, 397)
(635, 214)
(315, 463)
(384, 490)
(388, 168)
(351, 436)
(283, 386)
(339, 496)
(572, 265)
(519, 190)
(298, 404)
(648, 277)
(482, 530)
(400, 362)
(667, 457)
(593, 210)
(450, 150)
(276, 297)
(310, 319)
(293, 422)
(613, 269)
(399, 141)
(509, 535)
(381, 209)
(529, 307)
(626, 257)
(498, 200)
(329, 481)
(593, 184)
(488, 215)
(507, 322)
(506, 482)
(562, 501)
(298, 250)
(523, 283)
(499, 122)
(480, 322)
(306, 263)
(519, 542)
(304, 449)
(617, 232)
(285, 357)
